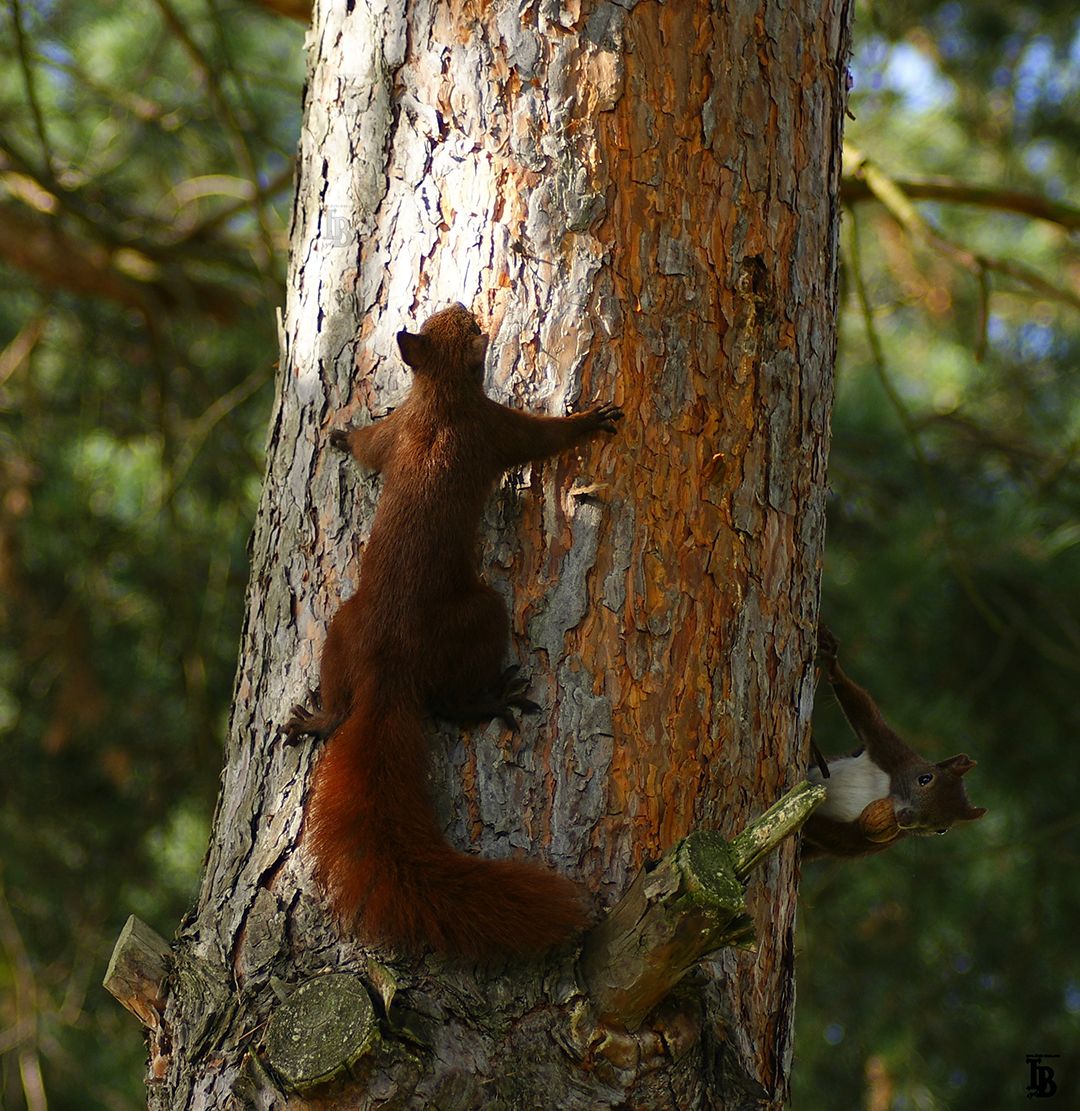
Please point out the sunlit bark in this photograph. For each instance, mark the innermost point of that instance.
(640, 201)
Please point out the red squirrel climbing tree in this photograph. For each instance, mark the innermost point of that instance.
(422, 632)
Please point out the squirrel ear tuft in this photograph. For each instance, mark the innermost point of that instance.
(413, 348)
(478, 348)
(960, 764)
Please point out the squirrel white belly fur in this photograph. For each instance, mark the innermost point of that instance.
(854, 782)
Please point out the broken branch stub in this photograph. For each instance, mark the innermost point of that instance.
(140, 962)
(676, 911)
(765, 833)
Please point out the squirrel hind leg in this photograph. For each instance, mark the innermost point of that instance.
(316, 723)
(500, 701)
(513, 690)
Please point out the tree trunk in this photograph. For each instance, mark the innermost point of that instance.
(640, 201)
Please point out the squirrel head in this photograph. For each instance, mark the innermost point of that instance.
(929, 798)
(448, 348)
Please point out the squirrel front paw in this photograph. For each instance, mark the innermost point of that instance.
(603, 418)
(827, 645)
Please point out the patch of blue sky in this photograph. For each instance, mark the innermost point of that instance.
(953, 41)
(834, 1033)
(904, 70)
(1029, 341)
(1072, 997)
(1036, 341)
(1040, 159)
(60, 60)
(1044, 77)
(1039, 156)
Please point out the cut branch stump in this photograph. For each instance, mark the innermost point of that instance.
(140, 962)
(680, 909)
(321, 1031)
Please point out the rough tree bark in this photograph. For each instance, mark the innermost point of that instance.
(639, 200)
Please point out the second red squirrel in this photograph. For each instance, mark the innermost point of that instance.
(423, 633)
(885, 790)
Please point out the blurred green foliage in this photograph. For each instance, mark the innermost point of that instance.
(131, 442)
(131, 433)
(952, 575)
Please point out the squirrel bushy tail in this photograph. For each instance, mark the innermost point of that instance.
(379, 852)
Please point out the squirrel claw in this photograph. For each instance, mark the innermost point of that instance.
(827, 645)
(317, 722)
(606, 416)
(298, 724)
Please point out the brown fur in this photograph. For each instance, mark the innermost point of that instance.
(911, 806)
(423, 633)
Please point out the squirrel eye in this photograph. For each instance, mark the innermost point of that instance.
(942, 832)
(926, 777)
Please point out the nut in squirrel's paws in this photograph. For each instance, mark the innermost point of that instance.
(878, 821)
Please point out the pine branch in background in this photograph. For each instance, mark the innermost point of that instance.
(963, 575)
(898, 203)
(855, 187)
